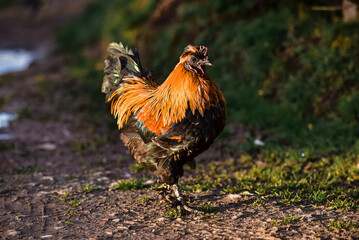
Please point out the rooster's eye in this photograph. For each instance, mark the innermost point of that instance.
(192, 60)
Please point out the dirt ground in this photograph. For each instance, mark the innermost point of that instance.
(55, 155)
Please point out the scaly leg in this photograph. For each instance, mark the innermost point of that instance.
(179, 197)
(165, 192)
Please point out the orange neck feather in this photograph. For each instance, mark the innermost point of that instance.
(181, 90)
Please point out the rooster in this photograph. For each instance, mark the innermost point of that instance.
(164, 126)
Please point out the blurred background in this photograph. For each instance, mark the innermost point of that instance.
(288, 69)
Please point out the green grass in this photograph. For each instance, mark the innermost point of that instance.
(25, 112)
(285, 221)
(342, 224)
(199, 184)
(319, 196)
(174, 213)
(207, 208)
(72, 176)
(130, 185)
(5, 146)
(144, 199)
(27, 170)
(70, 201)
(343, 204)
(286, 177)
(137, 168)
(88, 188)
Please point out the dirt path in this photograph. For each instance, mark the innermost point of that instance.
(57, 174)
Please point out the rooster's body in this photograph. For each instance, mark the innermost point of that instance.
(164, 126)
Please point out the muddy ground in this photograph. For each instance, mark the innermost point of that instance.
(58, 154)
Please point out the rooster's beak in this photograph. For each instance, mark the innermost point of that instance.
(206, 62)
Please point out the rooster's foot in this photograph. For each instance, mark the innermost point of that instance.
(165, 192)
(182, 207)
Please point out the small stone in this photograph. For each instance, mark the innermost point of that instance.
(103, 179)
(47, 147)
(309, 217)
(40, 193)
(49, 178)
(299, 210)
(122, 228)
(109, 233)
(46, 236)
(234, 196)
(102, 223)
(246, 193)
(273, 230)
(160, 219)
(12, 232)
(113, 214)
(33, 184)
(149, 182)
(234, 217)
(116, 220)
(113, 185)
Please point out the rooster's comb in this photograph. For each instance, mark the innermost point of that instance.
(199, 51)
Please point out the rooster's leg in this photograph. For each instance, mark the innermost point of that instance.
(165, 192)
(179, 197)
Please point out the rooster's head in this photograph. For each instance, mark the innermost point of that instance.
(195, 58)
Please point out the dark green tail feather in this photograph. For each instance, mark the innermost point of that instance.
(121, 62)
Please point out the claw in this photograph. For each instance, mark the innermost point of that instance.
(182, 205)
(166, 192)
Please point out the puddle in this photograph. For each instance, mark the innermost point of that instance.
(5, 119)
(15, 60)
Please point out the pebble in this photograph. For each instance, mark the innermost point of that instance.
(50, 178)
(246, 193)
(12, 232)
(103, 179)
(46, 236)
(116, 220)
(160, 219)
(309, 217)
(113, 214)
(47, 147)
(234, 196)
(113, 185)
(149, 182)
(122, 228)
(273, 230)
(299, 210)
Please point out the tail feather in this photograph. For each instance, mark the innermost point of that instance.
(121, 62)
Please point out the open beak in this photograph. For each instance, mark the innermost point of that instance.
(206, 62)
